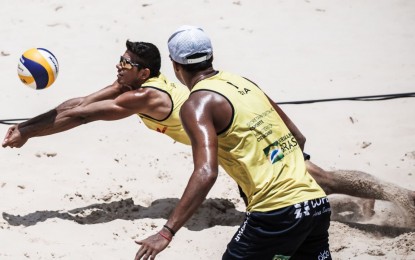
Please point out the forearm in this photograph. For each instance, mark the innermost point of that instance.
(47, 124)
(52, 121)
(195, 193)
(69, 114)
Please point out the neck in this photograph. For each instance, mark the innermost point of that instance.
(201, 75)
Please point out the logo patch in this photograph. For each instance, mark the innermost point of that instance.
(302, 210)
(163, 130)
(274, 152)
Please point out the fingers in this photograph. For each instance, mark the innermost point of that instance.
(6, 138)
(151, 247)
(13, 138)
(141, 252)
(145, 254)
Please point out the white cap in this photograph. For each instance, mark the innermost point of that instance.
(188, 40)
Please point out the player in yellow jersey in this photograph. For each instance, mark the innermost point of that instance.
(232, 123)
(140, 89)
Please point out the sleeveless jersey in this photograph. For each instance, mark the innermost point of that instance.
(257, 150)
(171, 125)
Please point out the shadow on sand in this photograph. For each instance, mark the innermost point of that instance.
(213, 212)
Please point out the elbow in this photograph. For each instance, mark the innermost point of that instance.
(212, 178)
(301, 141)
(208, 177)
(210, 181)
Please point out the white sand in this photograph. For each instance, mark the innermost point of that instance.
(113, 182)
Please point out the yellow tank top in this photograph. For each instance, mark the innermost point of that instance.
(257, 150)
(171, 125)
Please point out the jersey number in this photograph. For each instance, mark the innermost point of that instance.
(240, 91)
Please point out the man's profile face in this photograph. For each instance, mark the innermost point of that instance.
(128, 69)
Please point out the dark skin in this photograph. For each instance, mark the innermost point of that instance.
(203, 115)
(121, 99)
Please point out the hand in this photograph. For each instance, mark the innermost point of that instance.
(151, 246)
(14, 138)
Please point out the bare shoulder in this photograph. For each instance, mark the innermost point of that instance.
(149, 101)
(205, 98)
(196, 103)
(208, 101)
(207, 106)
(148, 96)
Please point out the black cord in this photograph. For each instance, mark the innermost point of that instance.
(361, 98)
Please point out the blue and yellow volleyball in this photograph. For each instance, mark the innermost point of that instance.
(38, 68)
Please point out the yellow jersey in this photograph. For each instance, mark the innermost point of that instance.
(257, 150)
(171, 125)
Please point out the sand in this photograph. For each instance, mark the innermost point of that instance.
(90, 192)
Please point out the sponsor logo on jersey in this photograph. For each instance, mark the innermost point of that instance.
(274, 152)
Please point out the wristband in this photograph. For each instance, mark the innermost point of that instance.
(170, 230)
(166, 237)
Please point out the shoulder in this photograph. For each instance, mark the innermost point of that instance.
(142, 95)
(206, 97)
(205, 103)
(150, 93)
(149, 101)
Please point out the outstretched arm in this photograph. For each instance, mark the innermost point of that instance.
(53, 122)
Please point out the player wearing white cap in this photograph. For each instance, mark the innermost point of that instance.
(232, 123)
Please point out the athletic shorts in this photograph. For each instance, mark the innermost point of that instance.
(299, 231)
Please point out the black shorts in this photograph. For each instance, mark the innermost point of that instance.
(299, 231)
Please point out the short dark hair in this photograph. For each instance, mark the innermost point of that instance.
(197, 66)
(148, 55)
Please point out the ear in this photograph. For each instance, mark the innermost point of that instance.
(175, 66)
(144, 74)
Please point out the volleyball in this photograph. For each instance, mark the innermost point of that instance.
(38, 68)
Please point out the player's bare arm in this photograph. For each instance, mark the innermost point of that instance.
(290, 124)
(201, 124)
(149, 101)
(45, 124)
